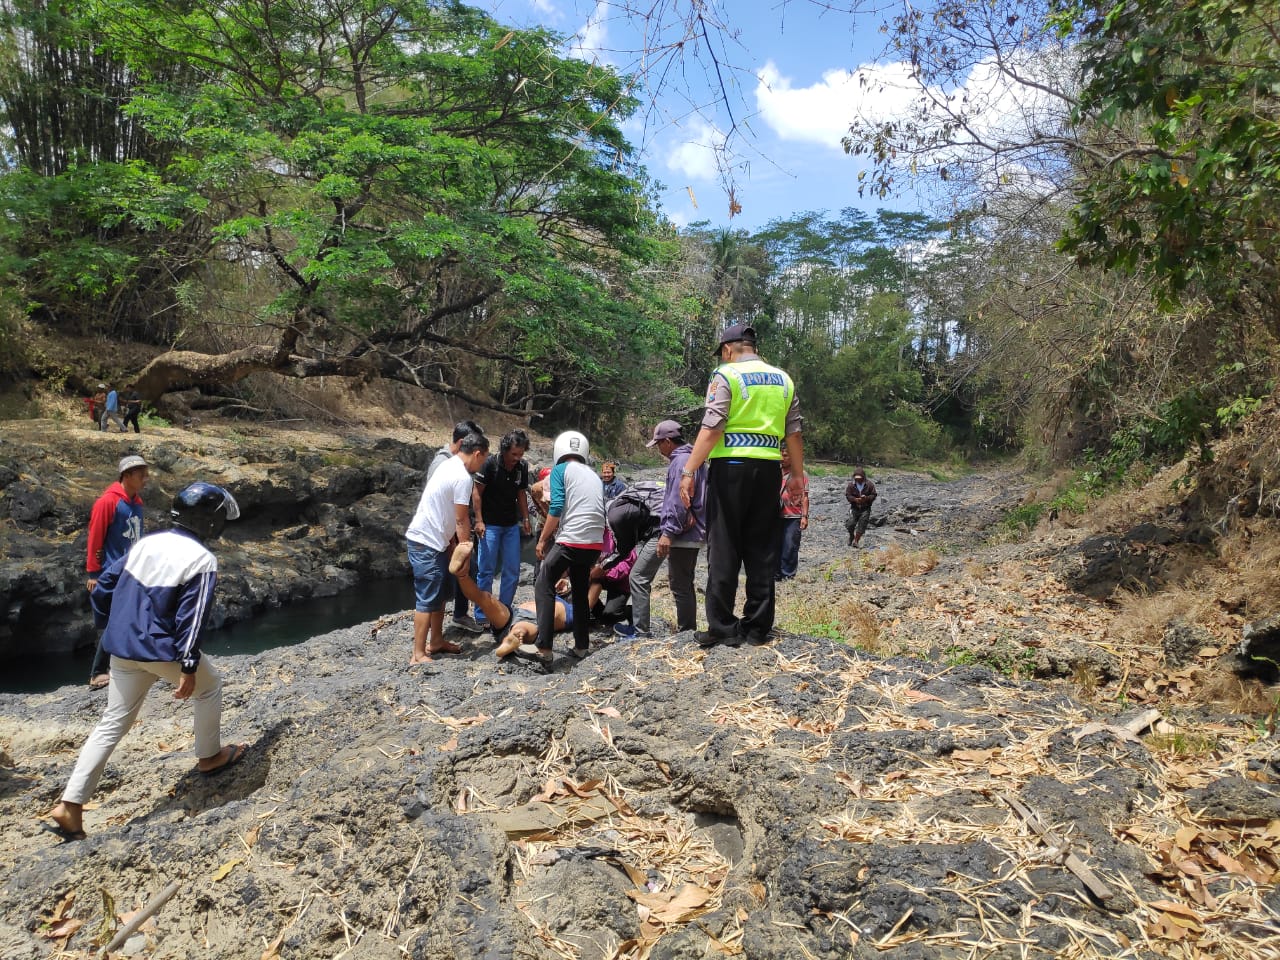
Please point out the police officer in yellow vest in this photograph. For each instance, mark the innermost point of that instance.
(751, 413)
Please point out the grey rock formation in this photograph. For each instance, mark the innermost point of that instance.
(314, 520)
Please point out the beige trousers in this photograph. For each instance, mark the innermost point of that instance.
(130, 681)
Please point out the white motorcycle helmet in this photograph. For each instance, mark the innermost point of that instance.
(570, 444)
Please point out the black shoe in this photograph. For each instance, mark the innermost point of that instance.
(704, 639)
(756, 638)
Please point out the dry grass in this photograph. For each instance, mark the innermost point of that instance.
(861, 627)
(906, 563)
(1155, 497)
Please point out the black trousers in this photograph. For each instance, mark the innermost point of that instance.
(743, 532)
(578, 561)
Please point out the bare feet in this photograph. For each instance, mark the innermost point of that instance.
(68, 819)
(419, 658)
(510, 643)
(445, 647)
(461, 558)
(98, 681)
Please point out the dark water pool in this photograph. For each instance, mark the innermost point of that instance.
(278, 628)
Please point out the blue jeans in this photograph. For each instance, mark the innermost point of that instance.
(430, 568)
(789, 553)
(500, 555)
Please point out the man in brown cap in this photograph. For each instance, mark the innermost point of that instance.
(679, 535)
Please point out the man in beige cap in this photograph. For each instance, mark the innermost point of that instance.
(115, 525)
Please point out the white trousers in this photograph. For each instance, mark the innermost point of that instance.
(130, 681)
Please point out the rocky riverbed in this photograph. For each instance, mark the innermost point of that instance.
(884, 778)
(321, 513)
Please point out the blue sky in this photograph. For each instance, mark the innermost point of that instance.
(789, 69)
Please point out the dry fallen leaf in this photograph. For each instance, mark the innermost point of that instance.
(225, 869)
(60, 911)
(273, 950)
(1185, 837)
(919, 696)
(690, 898)
(1173, 907)
(610, 712)
(975, 756)
(583, 790)
(63, 929)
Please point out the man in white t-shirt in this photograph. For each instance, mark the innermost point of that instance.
(442, 520)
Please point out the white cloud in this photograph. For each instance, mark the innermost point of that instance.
(816, 114)
(997, 108)
(695, 156)
(543, 6)
(590, 40)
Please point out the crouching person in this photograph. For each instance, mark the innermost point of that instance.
(154, 604)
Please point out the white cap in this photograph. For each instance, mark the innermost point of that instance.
(131, 462)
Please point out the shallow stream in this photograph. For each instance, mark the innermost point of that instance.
(277, 628)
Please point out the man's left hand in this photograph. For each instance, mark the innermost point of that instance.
(186, 686)
(664, 545)
(540, 550)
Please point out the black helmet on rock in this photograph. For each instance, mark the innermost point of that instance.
(204, 509)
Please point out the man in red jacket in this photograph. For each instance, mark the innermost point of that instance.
(115, 525)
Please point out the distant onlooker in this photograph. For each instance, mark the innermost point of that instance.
(442, 520)
(462, 618)
(499, 501)
(115, 525)
(111, 411)
(97, 403)
(132, 407)
(860, 493)
(609, 477)
(795, 519)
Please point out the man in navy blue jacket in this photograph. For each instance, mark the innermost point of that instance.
(153, 605)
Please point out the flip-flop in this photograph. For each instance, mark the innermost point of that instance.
(97, 683)
(445, 647)
(58, 830)
(238, 751)
(579, 654)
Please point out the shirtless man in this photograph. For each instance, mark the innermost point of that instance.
(507, 629)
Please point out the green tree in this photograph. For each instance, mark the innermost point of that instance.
(1187, 100)
(411, 189)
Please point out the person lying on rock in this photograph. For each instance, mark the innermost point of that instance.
(153, 605)
(503, 621)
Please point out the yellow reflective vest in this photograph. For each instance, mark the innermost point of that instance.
(760, 396)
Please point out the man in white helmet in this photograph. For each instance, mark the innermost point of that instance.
(570, 541)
